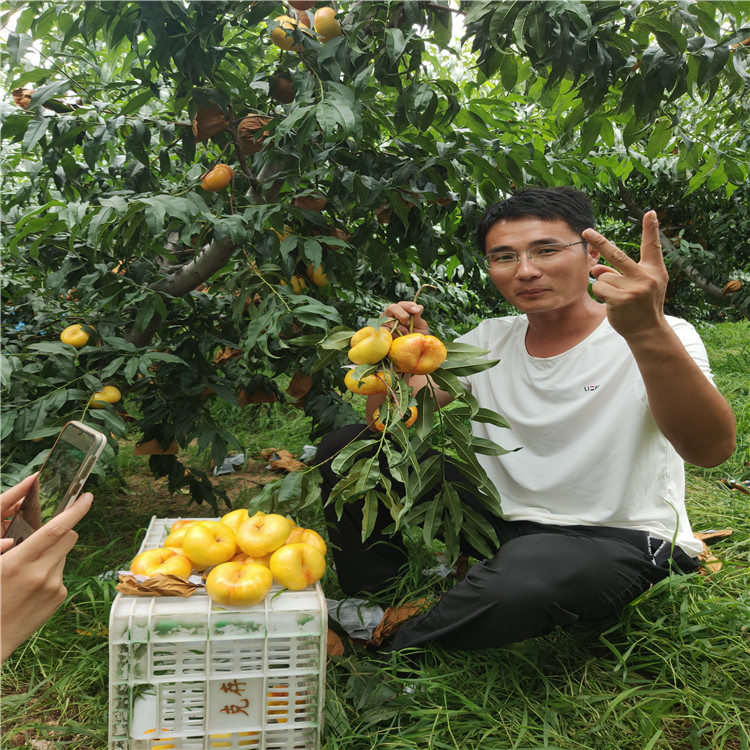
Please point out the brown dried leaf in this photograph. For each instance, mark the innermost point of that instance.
(226, 354)
(208, 121)
(732, 286)
(708, 535)
(22, 97)
(299, 387)
(334, 646)
(256, 397)
(248, 130)
(158, 585)
(153, 448)
(281, 460)
(709, 562)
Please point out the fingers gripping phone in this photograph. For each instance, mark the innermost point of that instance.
(60, 479)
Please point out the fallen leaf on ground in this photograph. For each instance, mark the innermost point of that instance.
(708, 536)
(281, 460)
(335, 646)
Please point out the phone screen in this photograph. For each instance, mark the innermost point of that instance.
(60, 480)
(57, 477)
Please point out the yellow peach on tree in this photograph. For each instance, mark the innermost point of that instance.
(107, 395)
(317, 275)
(75, 335)
(326, 23)
(368, 345)
(417, 353)
(408, 420)
(376, 382)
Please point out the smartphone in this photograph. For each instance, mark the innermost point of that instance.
(60, 479)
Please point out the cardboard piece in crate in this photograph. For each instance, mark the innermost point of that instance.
(188, 674)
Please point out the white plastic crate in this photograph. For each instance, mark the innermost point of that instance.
(188, 674)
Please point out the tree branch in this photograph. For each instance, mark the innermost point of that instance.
(715, 292)
(211, 258)
(239, 152)
(271, 172)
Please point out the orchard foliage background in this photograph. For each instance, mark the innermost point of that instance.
(408, 124)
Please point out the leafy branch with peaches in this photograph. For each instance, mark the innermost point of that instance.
(418, 439)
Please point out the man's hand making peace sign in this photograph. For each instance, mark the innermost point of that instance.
(633, 291)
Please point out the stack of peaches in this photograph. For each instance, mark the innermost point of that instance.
(243, 555)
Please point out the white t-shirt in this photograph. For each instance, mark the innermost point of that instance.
(590, 451)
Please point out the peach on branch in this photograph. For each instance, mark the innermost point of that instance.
(417, 353)
(368, 345)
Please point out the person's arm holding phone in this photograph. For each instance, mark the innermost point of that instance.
(31, 585)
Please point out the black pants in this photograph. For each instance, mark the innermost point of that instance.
(541, 576)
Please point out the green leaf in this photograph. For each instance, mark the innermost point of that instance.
(338, 338)
(369, 514)
(17, 45)
(350, 452)
(53, 347)
(110, 419)
(36, 130)
(477, 9)
(479, 533)
(317, 314)
(421, 481)
(590, 133)
(454, 505)
(503, 19)
(447, 381)
(43, 93)
(458, 349)
(508, 71)
(658, 140)
(490, 417)
(131, 368)
(395, 44)
(145, 313)
(166, 356)
(338, 109)
(432, 519)
(536, 28)
(487, 447)
(468, 366)
(290, 488)
(312, 339)
(425, 413)
(112, 368)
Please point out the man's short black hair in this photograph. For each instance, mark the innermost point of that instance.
(549, 204)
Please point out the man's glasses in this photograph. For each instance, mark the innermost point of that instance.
(541, 254)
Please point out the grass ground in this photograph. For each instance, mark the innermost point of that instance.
(672, 673)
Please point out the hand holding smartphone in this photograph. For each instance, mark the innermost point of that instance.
(31, 574)
(59, 481)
